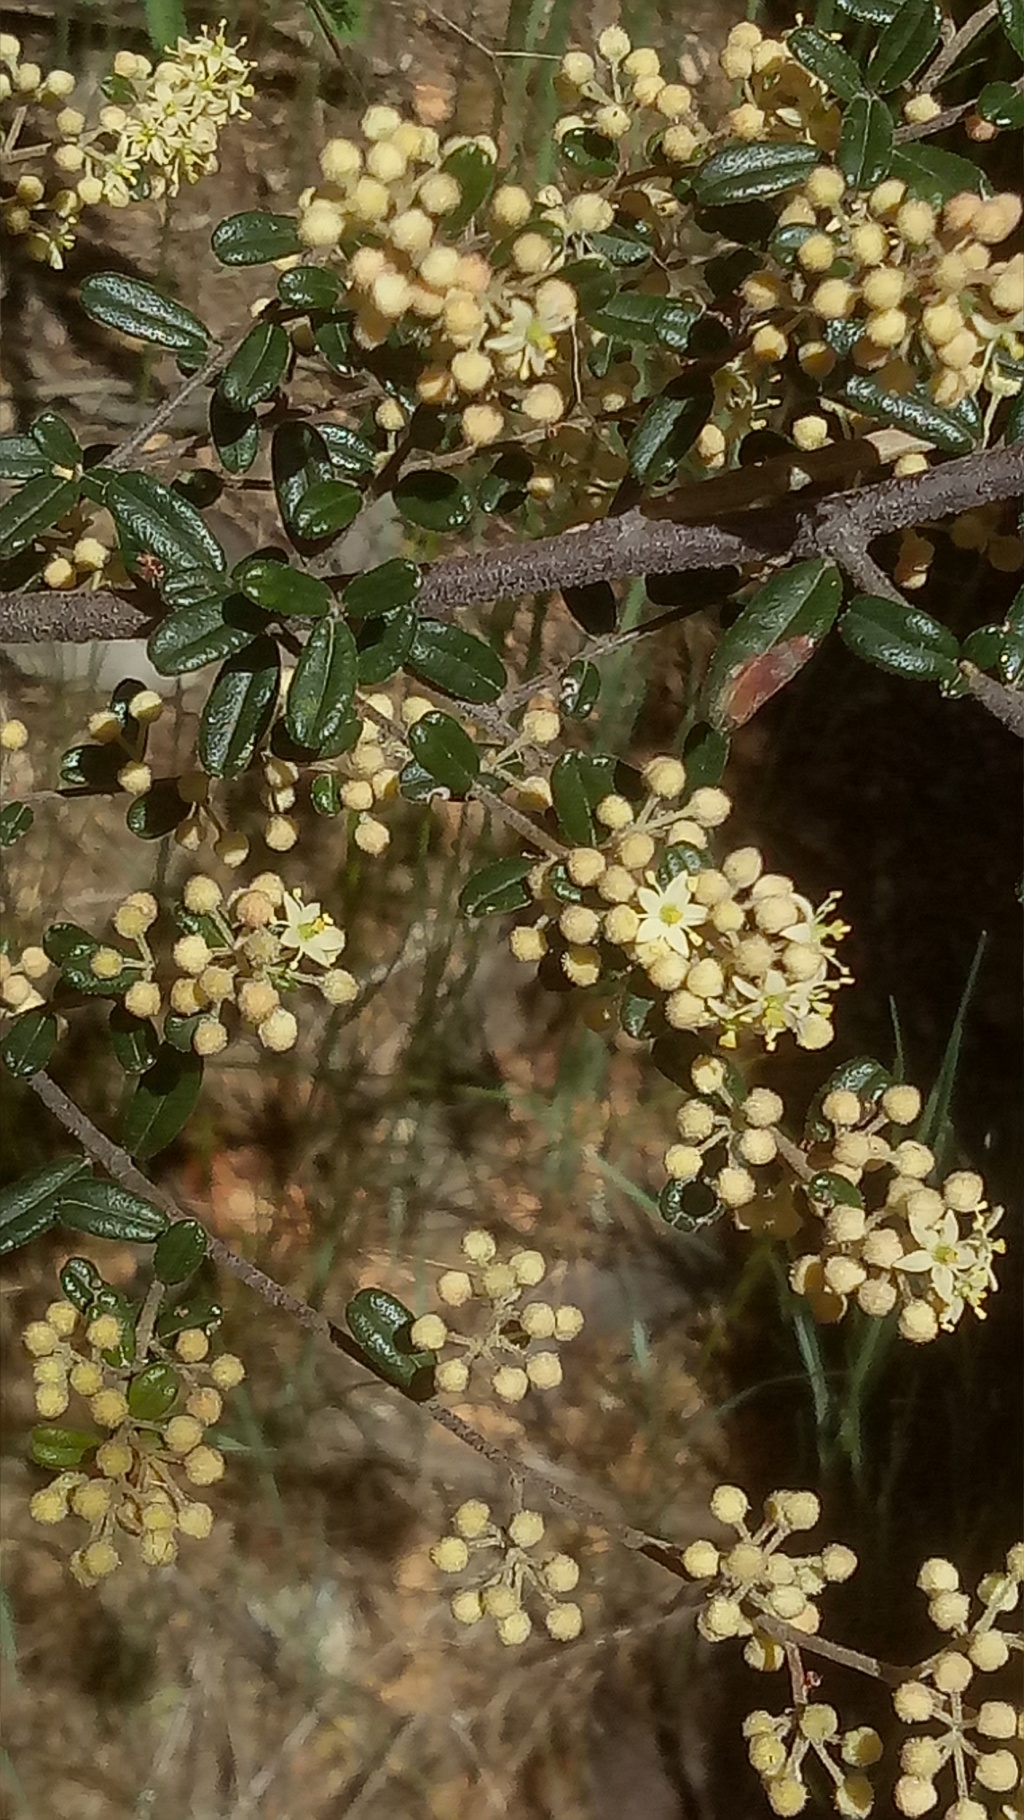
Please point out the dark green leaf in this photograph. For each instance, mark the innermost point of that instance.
(153, 1392)
(139, 309)
(915, 411)
(910, 36)
(497, 889)
(636, 1005)
(179, 1251)
(474, 173)
(871, 12)
(195, 1305)
(900, 639)
(831, 1190)
(418, 785)
(434, 501)
(161, 1103)
(109, 1211)
(203, 634)
(91, 767)
(861, 1075)
(28, 1206)
(280, 589)
(678, 858)
(456, 661)
(745, 171)
(56, 440)
(446, 752)
(999, 649)
(309, 287)
(652, 321)
(578, 784)
(179, 1031)
(865, 151)
(380, 1326)
(827, 60)
(239, 709)
(319, 703)
(155, 519)
(325, 793)
(689, 1206)
(593, 281)
(61, 1448)
(391, 584)
(669, 427)
(350, 453)
(76, 968)
(328, 507)
(235, 434)
(61, 939)
(21, 458)
(15, 820)
(589, 153)
(28, 1042)
(935, 175)
(332, 340)
(256, 369)
(1011, 13)
(135, 1041)
(158, 812)
(384, 645)
(581, 686)
(593, 606)
(705, 754)
(774, 636)
(34, 508)
(255, 238)
(1002, 104)
(80, 1282)
(299, 458)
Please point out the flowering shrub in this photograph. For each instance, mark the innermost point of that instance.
(691, 352)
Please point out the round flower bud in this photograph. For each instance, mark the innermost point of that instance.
(949, 1610)
(450, 1554)
(478, 1246)
(988, 1651)
(937, 1575)
(452, 1376)
(901, 1104)
(454, 1288)
(109, 1408)
(762, 1108)
(577, 68)
(918, 1323)
(544, 1370)
(183, 1433)
(322, 224)
(481, 424)
(729, 1504)
(98, 1560)
(963, 1191)
(204, 1466)
(997, 1770)
(92, 1500)
(466, 1606)
(104, 1333)
(735, 1187)
(721, 1618)
(429, 1333)
(837, 1561)
(568, 1322)
(510, 1384)
(40, 1339)
(114, 1459)
(538, 1320)
(564, 1622)
(996, 1719)
(613, 45)
(472, 1518)
(205, 1405)
(526, 1528)
(514, 1629)
(953, 1672)
(51, 1401)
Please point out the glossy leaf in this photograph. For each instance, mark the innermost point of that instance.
(900, 639)
(299, 458)
(195, 1305)
(589, 152)
(325, 793)
(380, 1325)
(239, 709)
(28, 1042)
(391, 584)
(669, 427)
(433, 501)
(497, 889)
(319, 702)
(578, 784)
(28, 1206)
(161, 1103)
(593, 606)
(155, 519)
(257, 367)
(332, 340)
(446, 751)
(773, 637)
(21, 458)
(61, 1448)
(158, 812)
(861, 1075)
(134, 1039)
(255, 238)
(827, 60)
(705, 754)
(910, 36)
(350, 454)
(746, 171)
(1011, 14)
(865, 151)
(871, 12)
(235, 435)
(580, 688)
(1002, 104)
(76, 968)
(34, 508)
(474, 172)
(91, 767)
(15, 821)
(593, 281)
(309, 287)
(329, 507)
(384, 644)
(136, 308)
(109, 1211)
(56, 440)
(934, 174)
(204, 634)
(153, 1392)
(651, 321)
(913, 411)
(80, 1282)
(456, 661)
(180, 1251)
(280, 589)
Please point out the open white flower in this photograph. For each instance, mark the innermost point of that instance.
(310, 932)
(670, 916)
(526, 341)
(957, 1268)
(775, 1004)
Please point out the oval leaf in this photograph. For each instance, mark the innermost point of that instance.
(914, 411)
(135, 1041)
(139, 309)
(900, 639)
(384, 645)
(456, 661)
(744, 172)
(319, 702)
(474, 172)
(158, 812)
(255, 238)
(156, 520)
(827, 60)
(153, 1392)
(179, 1251)
(391, 584)
(34, 508)
(239, 709)
(161, 1103)
(280, 589)
(109, 1211)
(497, 889)
(203, 634)
(774, 636)
(433, 501)
(329, 507)
(256, 369)
(309, 287)
(446, 752)
(235, 435)
(379, 1323)
(28, 1207)
(865, 151)
(61, 1448)
(652, 321)
(669, 426)
(910, 36)
(299, 458)
(28, 1042)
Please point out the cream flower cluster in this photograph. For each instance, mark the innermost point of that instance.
(161, 132)
(132, 1485)
(725, 1143)
(624, 89)
(726, 949)
(780, 1744)
(781, 99)
(239, 959)
(517, 1578)
(886, 1235)
(755, 1577)
(973, 1744)
(516, 1339)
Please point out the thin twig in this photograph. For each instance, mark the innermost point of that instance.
(945, 58)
